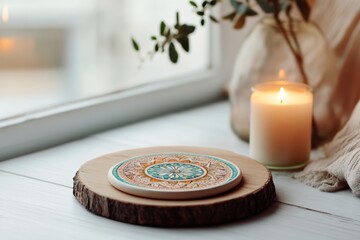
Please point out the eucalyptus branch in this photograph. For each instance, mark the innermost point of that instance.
(179, 34)
(300, 60)
(168, 36)
(282, 29)
(291, 29)
(297, 54)
(204, 10)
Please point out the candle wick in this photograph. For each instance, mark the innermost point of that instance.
(281, 101)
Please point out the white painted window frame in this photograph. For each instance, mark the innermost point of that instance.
(38, 130)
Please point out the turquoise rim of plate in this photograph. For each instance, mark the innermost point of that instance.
(235, 170)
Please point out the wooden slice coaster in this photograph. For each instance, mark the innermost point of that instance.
(93, 190)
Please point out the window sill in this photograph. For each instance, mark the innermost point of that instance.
(43, 129)
(36, 189)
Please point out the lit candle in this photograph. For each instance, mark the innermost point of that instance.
(280, 124)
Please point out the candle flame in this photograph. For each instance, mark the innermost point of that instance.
(281, 74)
(281, 95)
(5, 14)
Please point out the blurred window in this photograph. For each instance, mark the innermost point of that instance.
(54, 52)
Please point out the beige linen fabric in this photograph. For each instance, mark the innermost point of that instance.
(340, 22)
(340, 168)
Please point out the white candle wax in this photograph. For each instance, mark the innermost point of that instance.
(280, 124)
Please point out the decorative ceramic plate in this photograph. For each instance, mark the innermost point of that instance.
(174, 175)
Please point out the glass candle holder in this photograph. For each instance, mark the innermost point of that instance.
(280, 124)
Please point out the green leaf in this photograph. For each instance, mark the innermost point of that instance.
(202, 22)
(212, 18)
(230, 16)
(239, 21)
(173, 55)
(177, 19)
(153, 38)
(135, 45)
(204, 4)
(193, 4)
(285, 4)
(266, 6)
(185, 30)
(188, 29)
(156, 48)
(168, 32)
(234, 3)
(239, 7)
(242, 8)
(213, 2)
(184, 42)
(200, 13)
(304, 8)
(162, 28)
(250, 12)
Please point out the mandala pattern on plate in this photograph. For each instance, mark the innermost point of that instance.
(175, 171)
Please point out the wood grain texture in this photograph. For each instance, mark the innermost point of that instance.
(33, 209)
(253, 195)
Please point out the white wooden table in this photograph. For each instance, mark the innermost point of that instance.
(36, 200)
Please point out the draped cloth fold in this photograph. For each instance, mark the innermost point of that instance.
(340, 22)
(340, 166)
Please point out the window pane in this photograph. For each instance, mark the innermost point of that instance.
(53, 52)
